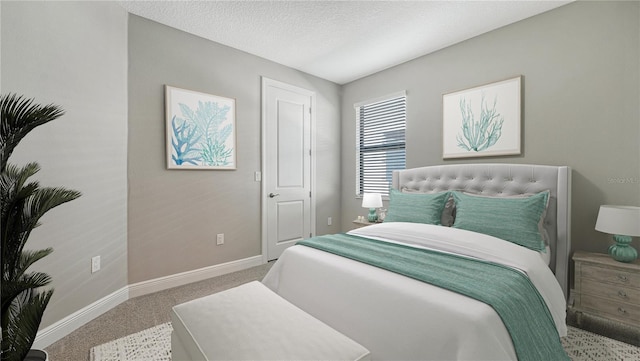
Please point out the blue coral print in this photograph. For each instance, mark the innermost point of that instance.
(200, 135)
(481, 134)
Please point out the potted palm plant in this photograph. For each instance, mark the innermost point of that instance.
(22, 203)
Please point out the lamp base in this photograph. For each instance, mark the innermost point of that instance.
(373, 217)
(622, 251)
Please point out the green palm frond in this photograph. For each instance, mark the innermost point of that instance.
(22, 204)
(18, 337)
(44, 199)
(22, 287)
(19, 117)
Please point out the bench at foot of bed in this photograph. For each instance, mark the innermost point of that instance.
(250, 322)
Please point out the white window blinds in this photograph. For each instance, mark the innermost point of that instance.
(381, 128)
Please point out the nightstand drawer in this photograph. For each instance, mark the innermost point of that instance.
(620, 311)
(610, 291)
(607, 288)
(610, 275)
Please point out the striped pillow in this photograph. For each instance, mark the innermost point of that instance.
(416, 207)
(514, 219)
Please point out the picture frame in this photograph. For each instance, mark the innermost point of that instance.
(483, 121)
(200, 130)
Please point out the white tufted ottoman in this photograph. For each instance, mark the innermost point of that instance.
(251, 322)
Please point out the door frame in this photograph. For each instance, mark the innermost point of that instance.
(267, 82)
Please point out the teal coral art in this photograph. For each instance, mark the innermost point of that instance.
(483, 121)
(479, 135)
(207, 123)
(200, 130)
(184, 142)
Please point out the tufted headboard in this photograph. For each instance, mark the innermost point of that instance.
(507, 180)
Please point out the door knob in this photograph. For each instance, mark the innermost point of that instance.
(271, 195)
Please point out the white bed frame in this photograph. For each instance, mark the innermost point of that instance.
(507, 180)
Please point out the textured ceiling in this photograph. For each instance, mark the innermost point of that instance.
(340, 41)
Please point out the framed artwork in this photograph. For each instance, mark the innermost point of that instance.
(482, 121)
(201, 130)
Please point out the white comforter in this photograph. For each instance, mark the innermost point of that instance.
(399, 318)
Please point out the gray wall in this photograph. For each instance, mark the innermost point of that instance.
(581, 91)
(581, 108)
(174, 215)
(75, 55)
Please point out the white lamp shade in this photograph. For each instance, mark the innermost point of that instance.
(620, 220)
(371, 200)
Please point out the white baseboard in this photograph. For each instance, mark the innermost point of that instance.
(64, 327)
(179, 279)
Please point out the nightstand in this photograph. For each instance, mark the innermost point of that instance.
(607, 288)
(363, 223)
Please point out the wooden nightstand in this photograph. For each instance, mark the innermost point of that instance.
(359, 223)
(607, 288)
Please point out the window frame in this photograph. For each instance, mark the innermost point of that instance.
(358, 107)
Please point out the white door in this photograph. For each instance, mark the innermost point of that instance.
(287, 169)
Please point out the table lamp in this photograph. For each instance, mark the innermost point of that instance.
(623, 222)
(372, 201)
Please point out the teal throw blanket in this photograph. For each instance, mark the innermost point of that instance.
(509, 292)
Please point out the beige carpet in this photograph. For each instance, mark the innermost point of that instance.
(141, 313)
(154, 344)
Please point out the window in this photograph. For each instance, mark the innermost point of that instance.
(381, 125)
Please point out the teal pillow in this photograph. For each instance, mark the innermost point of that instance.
(515, 220)
(416, 207)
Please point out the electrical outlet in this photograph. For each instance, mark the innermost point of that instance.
(329, 221)
(95, 264)
(220, 239)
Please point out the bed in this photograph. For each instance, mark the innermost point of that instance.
(398, 317)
